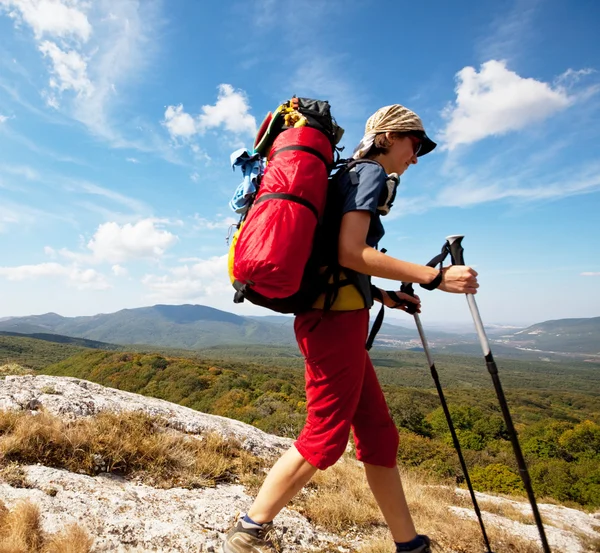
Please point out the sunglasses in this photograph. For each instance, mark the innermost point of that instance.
(417, 144)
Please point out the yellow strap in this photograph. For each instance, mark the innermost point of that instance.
(348, 298)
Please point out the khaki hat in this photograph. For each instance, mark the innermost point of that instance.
(394, 118)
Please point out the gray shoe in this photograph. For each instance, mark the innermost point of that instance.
(424, 548)
(245, 538)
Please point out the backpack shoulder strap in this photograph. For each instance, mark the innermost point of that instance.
(354, 162)
(346, 165)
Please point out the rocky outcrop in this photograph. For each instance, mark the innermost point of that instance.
(126, 516)
(72, 397)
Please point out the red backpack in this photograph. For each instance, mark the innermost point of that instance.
(272, 261)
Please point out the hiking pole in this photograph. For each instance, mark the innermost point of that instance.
(456, 254)
(407, 288)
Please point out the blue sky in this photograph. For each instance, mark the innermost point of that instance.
(117, 118)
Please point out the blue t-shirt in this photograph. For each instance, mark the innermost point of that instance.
(363, 192)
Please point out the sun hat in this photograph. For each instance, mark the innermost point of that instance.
(394, 118)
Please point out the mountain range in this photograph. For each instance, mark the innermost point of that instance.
(198, 326)
(178, 326)
(563, 335)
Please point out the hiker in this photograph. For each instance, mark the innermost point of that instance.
(342, 389)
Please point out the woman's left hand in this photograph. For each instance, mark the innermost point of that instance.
(406, 300)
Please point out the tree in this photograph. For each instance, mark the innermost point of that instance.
(583, 441)
(407, 414)
(496, 478)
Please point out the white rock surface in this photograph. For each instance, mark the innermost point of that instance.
(73, 397)
(562, 525)
(125, 516)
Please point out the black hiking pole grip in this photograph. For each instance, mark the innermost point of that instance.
(456, 249)
(456, 252)
(407, 288)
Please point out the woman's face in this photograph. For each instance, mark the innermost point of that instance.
(402, 153)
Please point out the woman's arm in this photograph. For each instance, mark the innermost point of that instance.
(355, 254)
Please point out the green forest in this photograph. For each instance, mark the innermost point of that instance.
(555, 406)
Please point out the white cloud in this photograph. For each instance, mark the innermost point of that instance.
(496, 101)
(125, 48)
(132, 160)
(190, 260)
(527, 180)
(511, 32)
(590, 274)
(3, 118)
(231, 112)
(93, 48)
(524, 184)
(179, 123)
(195, 176)
(20, 171)
(75, 276)
(475, 190)
(18, 98)
(116, 243)
(9, 217)
(119, 271)
(206, 279)
(51, 17)
(200, 154)
(23, 215)
(200, 223)
(136, 206)
(572, 76)
(69, 69)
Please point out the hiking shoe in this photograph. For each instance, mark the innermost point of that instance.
(425, 547)
(247, 538)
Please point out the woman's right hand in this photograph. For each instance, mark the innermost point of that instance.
(459, 279)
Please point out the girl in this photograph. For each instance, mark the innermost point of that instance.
(342, 389)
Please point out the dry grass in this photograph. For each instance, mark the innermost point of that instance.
(21, 532)
(133, 445)
(73, 539)
(506, 510)
(14, 475)
(377, 544)
(339, 500)
(20, 529)
(590, 544)
(429, 507)
(138, 446)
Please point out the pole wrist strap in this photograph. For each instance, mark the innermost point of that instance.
(437, 260)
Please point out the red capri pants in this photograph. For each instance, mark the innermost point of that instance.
(342, 392)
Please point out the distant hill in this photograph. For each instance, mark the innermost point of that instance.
(59, 339)
(177, 326)
(186, 327)
(35, 353)
(196, 327)
(562, 335)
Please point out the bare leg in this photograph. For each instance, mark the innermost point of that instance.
(287, 477)
(387, 488)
